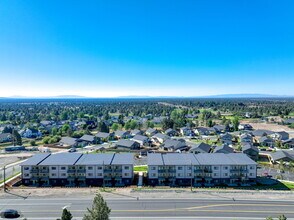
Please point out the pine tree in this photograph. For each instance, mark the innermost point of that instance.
(66, 215)
(99, 211)
(16, 138)
(282, 217)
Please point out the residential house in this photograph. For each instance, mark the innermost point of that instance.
(5, 137)
(226, 149)
(121, 134)
(68, 142)
(246, 127)
(203, 169)
(246, 138)
(127, 144)
(267, 141)
(174, 145)
(289, 143)
(171, 132)
(281, 155)
(200, 148)
(280, 136)
(186, 131)
(136, 132)
(202, 131)
(250, 150)
(30, 133)
(88, 140)
(104, 136)
(151, 131)
(220, 128)
(261, 132)
(289, 121)
(141, 139)
(160, 138)
(226, 138)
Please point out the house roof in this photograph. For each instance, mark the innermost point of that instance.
(199, 159)
(226, 135)
(124, 158)
(281, 155)
(261, 132)
(126, 143)
(95, 159)
(161, 136)
(120, 133)
(151, 130)
(102, 135)
(201, 147)
(265, 139)
(68, 140)
(136, 131)
(175, 144)
(223, 148)
(5, 135)
(35, 160)
(170, 130)
(139, 137)
(247, 146)
(61, 159)
(87, 137)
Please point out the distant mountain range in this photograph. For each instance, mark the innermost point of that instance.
(150, 97)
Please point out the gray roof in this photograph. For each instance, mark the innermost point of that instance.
(124, 158)
(126, 143)
(102, 135)
(248, 146)
(121, 133)
(5, 135)
(224, 148)
(154, 159)
(202, 148)
(35, 160)
(95, 159)
(175, 144)
(261, 132)
(226, 135)
(199, 159)
(61, 159)
(266, 139)
(68, 140)
(87, 137)
(170, 130)
(179, 159)
(161, 136)
(151, 130)
(289, 121)
(139, 137)
(281, 155)
(136, 132)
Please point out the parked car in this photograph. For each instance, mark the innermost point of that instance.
(9, 213)
(71, 150)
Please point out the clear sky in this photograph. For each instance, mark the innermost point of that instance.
(155, 47)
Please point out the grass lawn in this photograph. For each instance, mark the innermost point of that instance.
(289, 185)
(142, 168)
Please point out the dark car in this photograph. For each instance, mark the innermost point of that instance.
(9, 213)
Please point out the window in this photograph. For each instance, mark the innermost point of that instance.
(90, 174)
(153, 174)
(99, 174)
(27, 175)
(63, 168)
(99, 168)
(179, 175)
(250, 174)
(180, 168)
(226, 174)
(214, 174)
(153, 168)
(63, 174)
(53, 168)
(189, 174)
(53, 174)
(26, 168)
(226, 168)
(90, 168)
(127, 167)
(251, 167)
(189, 168)
(215, 168)
(126, 174)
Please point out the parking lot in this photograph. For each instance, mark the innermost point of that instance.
(286, 175)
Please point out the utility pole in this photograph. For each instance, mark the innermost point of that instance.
(103, 176)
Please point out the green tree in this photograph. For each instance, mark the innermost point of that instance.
(103, 127)
(99, 211)
(46, 140)
(114, 126)
(66, 215)
(236, 123)
(33, 143)
(16, 138)
(269, 218)
(282, 217)
(167, 123)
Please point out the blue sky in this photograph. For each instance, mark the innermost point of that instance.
(157, 48)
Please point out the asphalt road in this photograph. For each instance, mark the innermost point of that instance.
(131, 208)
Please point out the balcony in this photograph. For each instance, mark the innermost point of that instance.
(71, 171)
(81, 171)
(107, 171)
(207, 171)
(34, 171)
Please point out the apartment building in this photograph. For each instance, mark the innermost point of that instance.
(203, 169)
(75, 169)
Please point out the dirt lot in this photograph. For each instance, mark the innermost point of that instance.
(271, 127)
